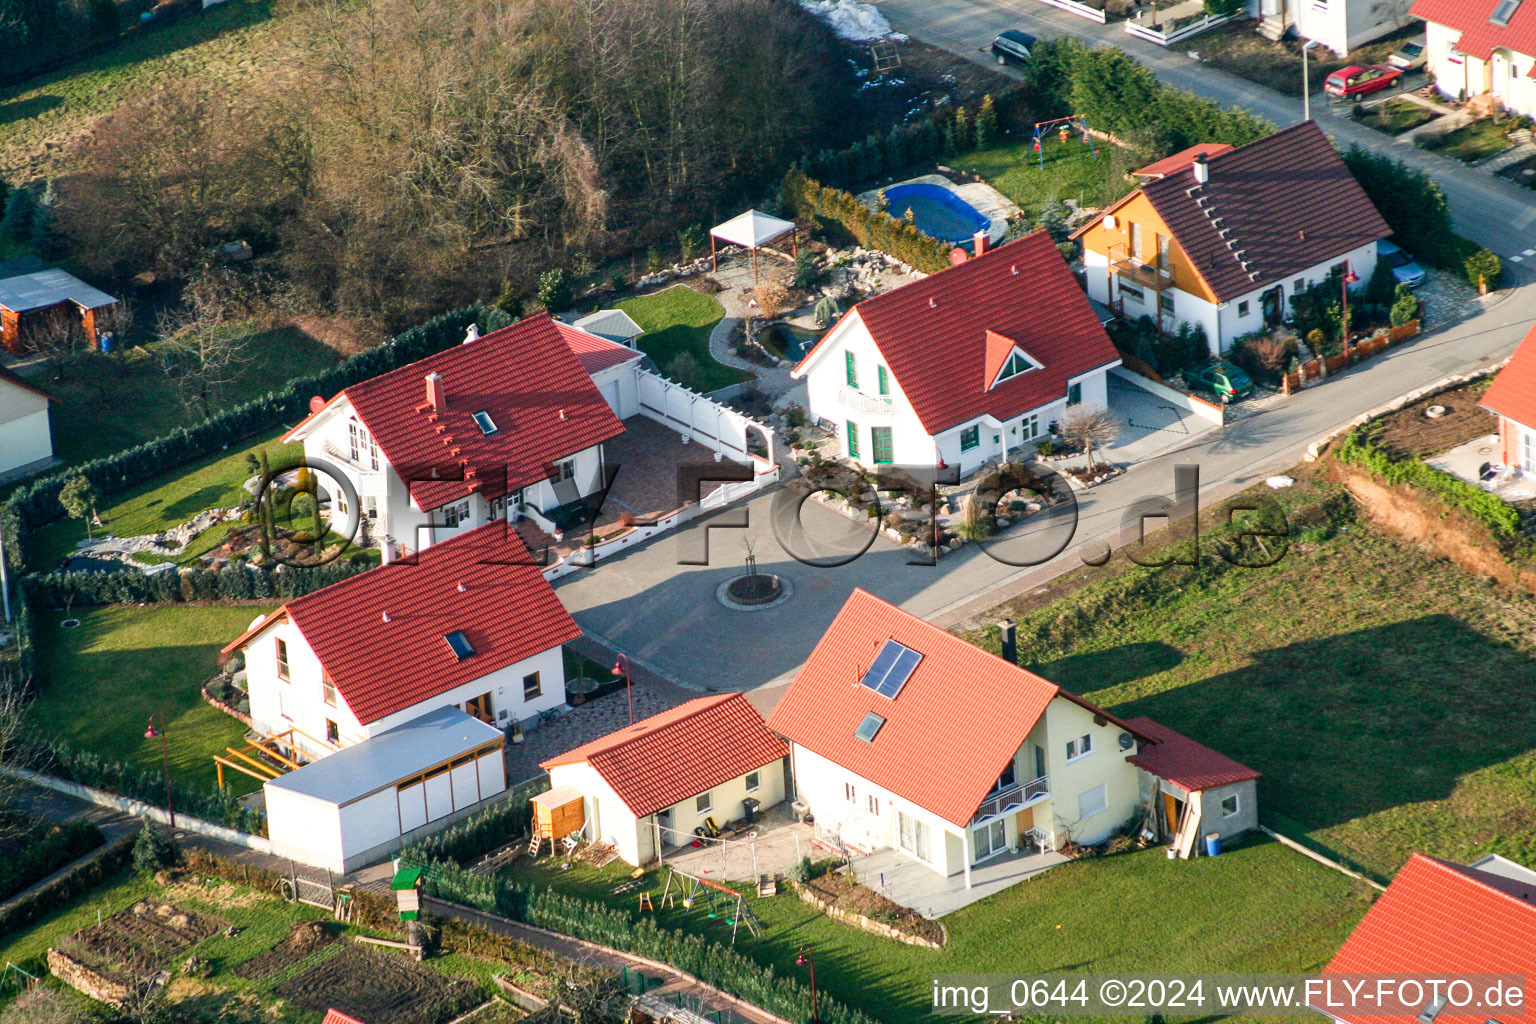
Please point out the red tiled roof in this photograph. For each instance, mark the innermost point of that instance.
(1438, 919)
(1286, 203)
(1182, 159)
(507, 610)
(525, 376)
(596, 353)
(22, 382)
(933, 333)
(1479, 36)
(678, 754)
(334, 1016)
(1513, 392)
(1184, 762)
(949, 732)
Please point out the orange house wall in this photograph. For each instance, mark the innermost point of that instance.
(1139, 209)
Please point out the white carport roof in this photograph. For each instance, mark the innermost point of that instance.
(26, 292)
(390, 757)
(751, 229)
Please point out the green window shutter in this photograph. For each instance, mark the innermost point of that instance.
(885, 380)
(853, 369)
(880, 442)
(853, 438)
(970, 438)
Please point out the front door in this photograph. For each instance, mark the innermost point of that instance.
(1271, 302)
(664, 823)
(480, 707)
(1171, 813)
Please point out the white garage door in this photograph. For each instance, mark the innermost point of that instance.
(439, 795)
(413, 807)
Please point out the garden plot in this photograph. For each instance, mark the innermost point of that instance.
(378, 987)
(307, 937)
(106, 960)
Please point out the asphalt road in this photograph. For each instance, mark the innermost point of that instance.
(1489, 210)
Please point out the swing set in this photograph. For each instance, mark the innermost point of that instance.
(1064, 127)
(691, 889)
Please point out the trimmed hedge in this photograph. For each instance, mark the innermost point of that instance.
(874, 230)
(711, 962)
(38, 503)
(1359, 449)
(47, 848)
(479, 834)
(67, 886)
(231, 583)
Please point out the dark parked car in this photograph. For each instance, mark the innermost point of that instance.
(1013, 46)
(1221, 379)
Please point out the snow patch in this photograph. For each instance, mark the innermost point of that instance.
(853, 21)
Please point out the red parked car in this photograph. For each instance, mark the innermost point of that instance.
(1359, 80)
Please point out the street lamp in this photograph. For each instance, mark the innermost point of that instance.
(1349, 278)
(804, 959)
(165, 758)
(1306, 82)
(621, 665)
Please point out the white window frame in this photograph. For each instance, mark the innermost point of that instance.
(565, 470)
(371, 507)
(1528, 451)
(1079, 748)
(704, 803)
(1237, 805)
(1101, 791)
(754, 781)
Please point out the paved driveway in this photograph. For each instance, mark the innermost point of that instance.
(1149, 425)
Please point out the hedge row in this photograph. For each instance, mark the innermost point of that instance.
(38, 503)
(372, 910)
(710, 962)
(82, 879)
(47, 848)
(231, 583)
(1359, 449)
(872, 229)
(479, 834)
(91, 769)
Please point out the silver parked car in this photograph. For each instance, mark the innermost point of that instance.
(1412, 56)
(1403, 268)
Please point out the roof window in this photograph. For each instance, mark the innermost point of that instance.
(485, 423)
(867, 728)
(459, 644)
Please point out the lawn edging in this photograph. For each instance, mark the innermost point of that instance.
(140, 808)
(864, 923)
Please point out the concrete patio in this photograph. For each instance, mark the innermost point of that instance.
(915, 885)
(768, 848)
(1466, 461)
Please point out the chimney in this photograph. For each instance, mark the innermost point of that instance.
(437, 395)
(979, 242)
(472, 334)
(1202, 170)
(1007, 630)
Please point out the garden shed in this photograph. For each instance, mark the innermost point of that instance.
(1191, 791)
(28, 301)
(366, 801)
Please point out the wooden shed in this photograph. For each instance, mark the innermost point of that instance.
(558, 812)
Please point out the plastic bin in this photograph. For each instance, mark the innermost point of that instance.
(749, 808)
(1213, 844)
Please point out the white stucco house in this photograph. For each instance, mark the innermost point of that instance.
(1482, 48)
(1224, 239)
(1340, 25)
(1513, 397)
(510, 421)
(469, 623)
(965, 366)
(26, 440)
(659, 779)
(905, 737)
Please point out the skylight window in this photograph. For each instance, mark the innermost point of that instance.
(892, 668)
(459, 644)
(1502, 13)
(1017, 363)
(485, 423)
(1434, 1006)
(867, 728)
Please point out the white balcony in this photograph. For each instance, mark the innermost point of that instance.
(869, 405)
(1013, 798)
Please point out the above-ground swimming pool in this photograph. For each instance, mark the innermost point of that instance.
(936, 211)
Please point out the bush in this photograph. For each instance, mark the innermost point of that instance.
(46, 849)
(1484, 269)
(690, 241)
(152, 851)
(232, 583)
(807, 269)
(554, 290)
(479, 834)
(1413, 206)
(1359, 448)
(1405, 308)
(79, 879)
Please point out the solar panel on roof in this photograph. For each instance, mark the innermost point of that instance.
(892, 668)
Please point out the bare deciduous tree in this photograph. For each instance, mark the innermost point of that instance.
(56, 336)
(203, 352)
(1089, 429)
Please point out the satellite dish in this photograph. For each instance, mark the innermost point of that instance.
(1109, 221)
(1127, 741)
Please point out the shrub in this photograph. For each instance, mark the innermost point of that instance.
(807, 269)
(1359, 448)
(20, 207)
(986, 123)
(690, 241)
(870, 228)
(152, 851)
(46, 849)
(1483, 269)
(554, 290)
(1405, 308)
(772, 299)
(800, 871)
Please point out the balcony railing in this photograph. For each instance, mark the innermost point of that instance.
(1148, 275)
(869, 405)
(1012, 797)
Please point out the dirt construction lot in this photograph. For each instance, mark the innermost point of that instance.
(379, 987)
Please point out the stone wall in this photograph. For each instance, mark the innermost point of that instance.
(867, 924)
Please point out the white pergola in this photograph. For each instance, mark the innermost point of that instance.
(752, 230)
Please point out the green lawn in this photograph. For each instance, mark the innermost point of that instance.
(103, 679)
(1387, 697)
(168, 500)
(225, 44)
(1471, 143)
(1257, 907)
(1397, 116)
(1071, 171)
(108, 403)
(677, 322)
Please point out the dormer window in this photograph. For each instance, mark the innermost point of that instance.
(1017, 363)
(459, 644)
(485, 423)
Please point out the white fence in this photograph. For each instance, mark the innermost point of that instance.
(1185, 31)
(1081, 10)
